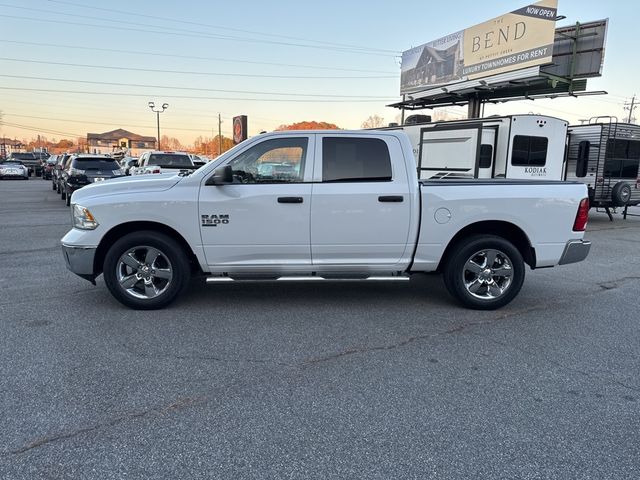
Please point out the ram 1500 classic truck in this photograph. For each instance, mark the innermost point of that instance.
(321, 205)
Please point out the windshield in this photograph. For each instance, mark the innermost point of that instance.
(95, 164)
(169, 160)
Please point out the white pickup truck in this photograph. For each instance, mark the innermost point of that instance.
(162, 162)
(314, 205)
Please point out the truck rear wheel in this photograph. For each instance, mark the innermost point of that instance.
(146, 270)
(484, 272)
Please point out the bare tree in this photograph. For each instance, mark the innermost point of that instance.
(373, 121)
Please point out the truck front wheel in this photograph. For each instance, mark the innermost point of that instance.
(484, 272)
(146, 270)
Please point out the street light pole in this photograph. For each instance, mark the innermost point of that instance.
(161, 109)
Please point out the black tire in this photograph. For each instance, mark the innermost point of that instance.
(58, 187)
(53, 186)
(172, 257)
(621, 194)
(492, 289)
(68, 198)
(63, 193)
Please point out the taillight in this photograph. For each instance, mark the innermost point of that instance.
(582, 217)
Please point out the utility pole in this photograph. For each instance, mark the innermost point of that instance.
(631, 107)
(219, 135)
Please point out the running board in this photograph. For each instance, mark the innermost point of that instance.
(314, 278)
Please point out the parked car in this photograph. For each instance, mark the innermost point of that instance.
(127, 163)
(83, 170)
(56, 173)
(161, 162)
(48, 166)
(29, 160)
(355, 209)
(13, 169)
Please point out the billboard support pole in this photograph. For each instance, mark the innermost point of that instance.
(404, 97)
(475, 105)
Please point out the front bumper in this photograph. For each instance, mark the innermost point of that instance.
(575, 251)
(80, 260)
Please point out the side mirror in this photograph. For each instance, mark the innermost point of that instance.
(221, 176)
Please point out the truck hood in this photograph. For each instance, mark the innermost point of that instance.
(132, 184)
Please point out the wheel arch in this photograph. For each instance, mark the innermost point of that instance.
(503, 229)
(129, 227)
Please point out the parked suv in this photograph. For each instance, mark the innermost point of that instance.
(85, 169)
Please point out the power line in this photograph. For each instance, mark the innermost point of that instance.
(186, 72)
(183, 111)
(236, 99)
(85, 122)
(172, 87)
(198, 35)
(220, 27)
(41, 130)
(192, 57)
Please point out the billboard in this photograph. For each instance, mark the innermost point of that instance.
(520, 39)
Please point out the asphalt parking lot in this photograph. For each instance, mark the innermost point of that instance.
(338, 380)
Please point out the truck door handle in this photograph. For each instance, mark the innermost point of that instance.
(290, 200)
(391, 198)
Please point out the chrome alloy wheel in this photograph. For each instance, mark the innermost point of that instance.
(144, 272)
(487, 274)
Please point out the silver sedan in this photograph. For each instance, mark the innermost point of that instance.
(13, 169)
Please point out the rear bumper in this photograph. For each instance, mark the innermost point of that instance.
(575, 251)
(80, 260)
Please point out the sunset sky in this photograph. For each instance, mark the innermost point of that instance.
(72, 67)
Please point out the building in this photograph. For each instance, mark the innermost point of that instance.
(120, 141)
(8, 145)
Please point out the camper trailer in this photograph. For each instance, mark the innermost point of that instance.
(514, 146)
(605, 155)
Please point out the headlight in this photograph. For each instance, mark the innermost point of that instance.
(82, 218)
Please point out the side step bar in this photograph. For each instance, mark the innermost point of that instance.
(314, 278)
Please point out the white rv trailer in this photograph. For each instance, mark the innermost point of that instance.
(606, 157)
(514, 146)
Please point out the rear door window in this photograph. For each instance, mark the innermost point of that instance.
(529, 151)
(169, 160)
(346, 159)
(95, 164)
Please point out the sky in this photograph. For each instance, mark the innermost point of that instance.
(70, 67)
